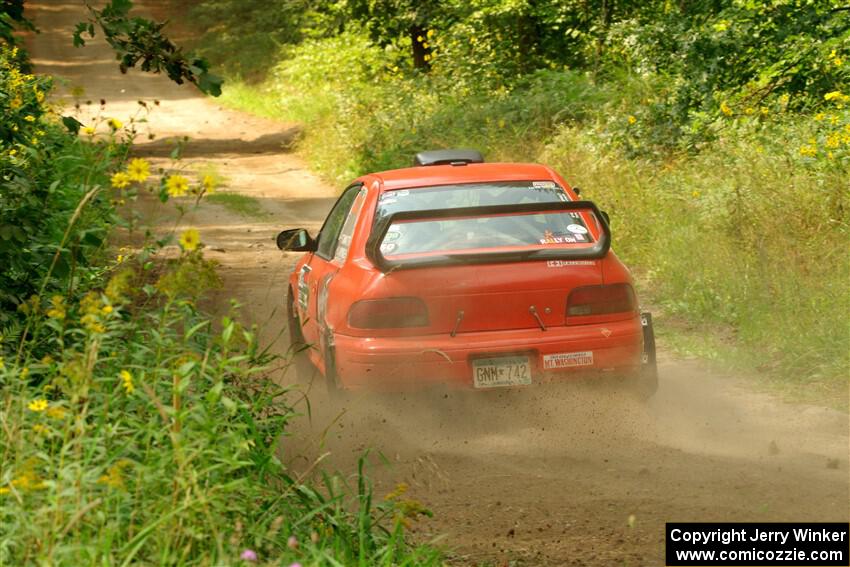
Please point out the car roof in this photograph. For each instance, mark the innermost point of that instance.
(427, 176)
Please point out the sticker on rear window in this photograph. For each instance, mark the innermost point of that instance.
(548, 184)
(577, 229)
(550, 237)
(567, 360)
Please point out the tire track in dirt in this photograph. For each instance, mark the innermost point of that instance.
(535, 477)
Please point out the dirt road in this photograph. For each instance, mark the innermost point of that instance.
(537, 477)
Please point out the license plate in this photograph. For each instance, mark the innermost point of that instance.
(501, 371)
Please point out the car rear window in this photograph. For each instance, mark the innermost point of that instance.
(512, 230)
(470, 195)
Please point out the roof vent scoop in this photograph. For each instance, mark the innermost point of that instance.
(448, 157)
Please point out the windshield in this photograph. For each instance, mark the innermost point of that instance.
(516, 231)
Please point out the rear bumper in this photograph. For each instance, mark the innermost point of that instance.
(409, 363)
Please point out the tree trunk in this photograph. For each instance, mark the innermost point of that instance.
(418, 38)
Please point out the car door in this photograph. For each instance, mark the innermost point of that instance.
(314, 277)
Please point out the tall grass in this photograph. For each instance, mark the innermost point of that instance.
(750, 231)
(149, 435)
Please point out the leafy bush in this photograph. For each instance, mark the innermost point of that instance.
(44, 173)
(149, 436)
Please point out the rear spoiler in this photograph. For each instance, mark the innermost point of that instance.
(379, 231)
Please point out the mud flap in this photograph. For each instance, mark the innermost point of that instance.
(335, 390)
(649, 367)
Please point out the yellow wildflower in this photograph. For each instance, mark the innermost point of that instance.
(808, 151)
(430, 33)
(819, 116)
(114, 476)
(29, 118)
(632, 119)
(90, 305)
(127, 381)
(833, 141)
(120, 180)
(106, 309)
(89, 131)
(724, 108)
(38, 405)
(4, 490)
(748, 111)
(25, 372)
(115, 124)
(57, 309)
(119, 259)
(209, 183)
(176, 185)
(190, 239)
(119, 285)
(27, 480)
(39, 96)
(834, 95)
(138, 170)
(765, 111)
(400, 490)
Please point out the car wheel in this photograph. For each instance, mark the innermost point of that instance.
(300, 361)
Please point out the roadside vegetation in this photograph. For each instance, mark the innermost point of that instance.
(716, 134)
(137, 429)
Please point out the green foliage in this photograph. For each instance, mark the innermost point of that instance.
(140, 41)
(44, 173)
(150, 435)
(12, 19)
(704, 58)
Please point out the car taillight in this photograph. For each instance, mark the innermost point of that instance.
(600, 300)
(391, 313)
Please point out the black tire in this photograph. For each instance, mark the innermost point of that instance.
(300, 361)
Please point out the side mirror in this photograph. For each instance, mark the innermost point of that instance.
(296, 240)
(606, 217)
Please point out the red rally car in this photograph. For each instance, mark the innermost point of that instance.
(463, 273)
